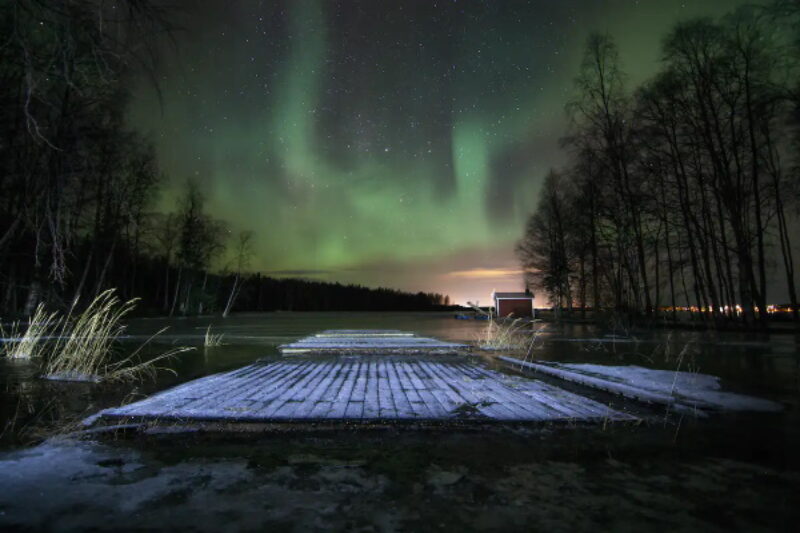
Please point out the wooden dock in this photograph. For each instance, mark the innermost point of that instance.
(374, 376)
(365, 389)
(367, 376)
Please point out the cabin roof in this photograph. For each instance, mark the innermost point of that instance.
(514, 295)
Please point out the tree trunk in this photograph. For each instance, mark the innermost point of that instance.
(202, 294)
(671, 272)
(34, 296)
(177, 291)
(232, 297)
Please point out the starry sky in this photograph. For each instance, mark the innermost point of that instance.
(386, 143)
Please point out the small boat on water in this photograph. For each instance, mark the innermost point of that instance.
(462, 316)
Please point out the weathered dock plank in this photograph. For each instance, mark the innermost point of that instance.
(364, 389)
(355, 404)
(497, 401)
(552, 399)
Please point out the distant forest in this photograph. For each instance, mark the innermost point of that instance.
(683, 191)
(77, 186)
(262, 293)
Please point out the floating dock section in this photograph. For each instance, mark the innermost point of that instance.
(365, 389)
(364, 333)
(371, 342)
(365, 376)
(696, 393)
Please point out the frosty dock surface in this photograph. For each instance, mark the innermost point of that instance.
(365, 389)
(364, 333)
(373, 342)
(683, 391)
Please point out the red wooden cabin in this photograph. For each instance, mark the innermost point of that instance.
(518, 304)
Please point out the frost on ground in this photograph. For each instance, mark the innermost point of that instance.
(65, 485)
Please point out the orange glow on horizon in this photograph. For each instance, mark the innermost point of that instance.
(484, 273)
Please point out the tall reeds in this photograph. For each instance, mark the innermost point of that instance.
(86, 348)
(518, 336)
(212, 340)
(29, 341)
(83, 346)
(86, 339)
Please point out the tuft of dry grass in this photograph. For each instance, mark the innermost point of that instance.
(516, 336)
(212, 340)
(87, 342)
(29, 341)
(87, 338)
(503, 335)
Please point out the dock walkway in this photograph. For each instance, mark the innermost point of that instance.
(370, 342)
(376, 384)
(365, 389)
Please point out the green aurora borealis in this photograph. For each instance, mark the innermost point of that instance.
(383, 143)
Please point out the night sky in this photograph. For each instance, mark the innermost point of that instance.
(384, 143)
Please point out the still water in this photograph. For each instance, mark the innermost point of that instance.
(731, 472)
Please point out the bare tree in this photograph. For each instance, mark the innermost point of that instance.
(684, 188)
(243, 253)
(200, 241)
(543, 248)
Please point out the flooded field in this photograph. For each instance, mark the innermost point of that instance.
(737, 472)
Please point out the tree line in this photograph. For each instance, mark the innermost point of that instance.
(179, 249)
(263, 293)
(77, 185)
(684, 191)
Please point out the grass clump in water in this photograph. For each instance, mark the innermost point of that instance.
(504, 336)
(212, 340)
(30, 342)
(517, 336)
(85, 348)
